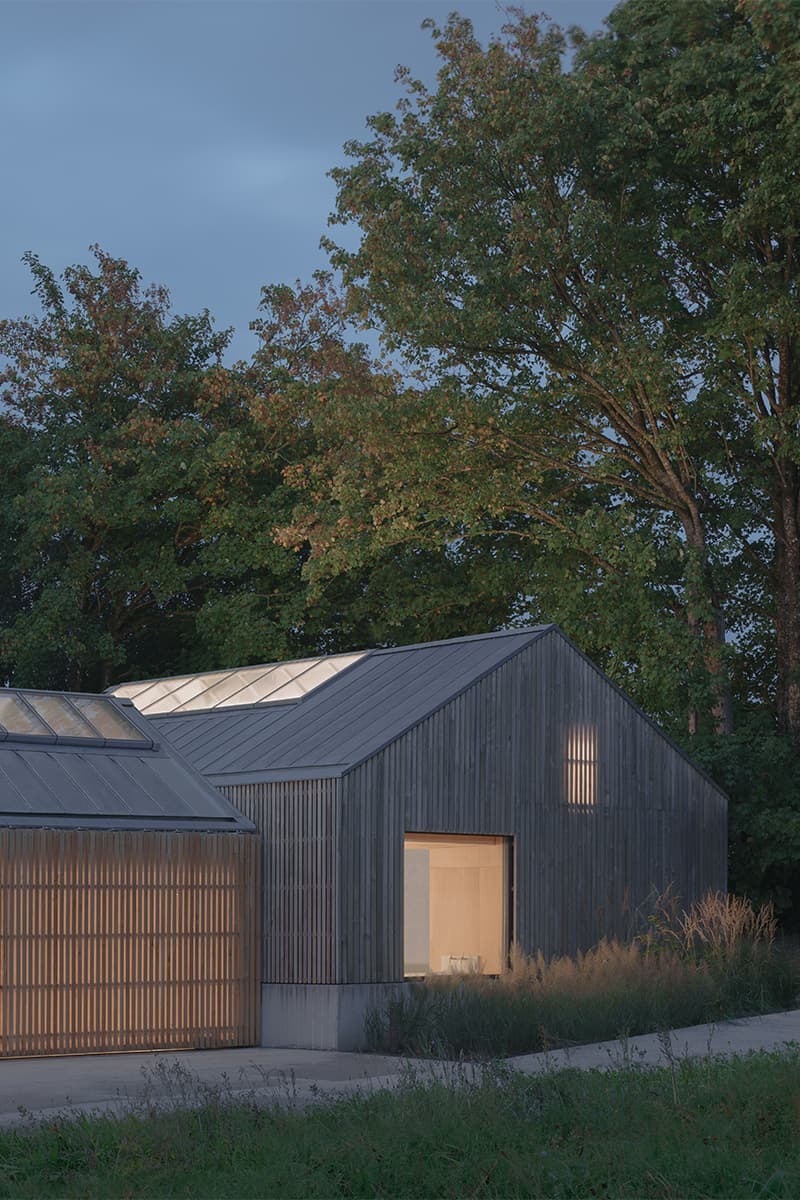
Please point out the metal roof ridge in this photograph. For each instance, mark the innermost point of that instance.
(467, 637)
(539, 631)
(363, 652)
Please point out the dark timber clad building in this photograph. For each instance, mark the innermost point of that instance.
(422, 807)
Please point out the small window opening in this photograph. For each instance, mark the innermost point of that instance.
(581, 765)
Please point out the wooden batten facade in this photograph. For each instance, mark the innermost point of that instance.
(130, 889)
(603, 811)
(128, 940)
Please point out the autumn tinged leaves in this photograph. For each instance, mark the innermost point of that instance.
(580, 255)
(128, 437)
(144, 483)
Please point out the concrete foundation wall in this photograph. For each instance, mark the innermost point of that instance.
(321, 1016)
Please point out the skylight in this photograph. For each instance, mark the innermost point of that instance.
(267, 684)
(52, 715)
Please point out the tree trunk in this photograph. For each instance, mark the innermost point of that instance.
(787, 602)
(707, 622)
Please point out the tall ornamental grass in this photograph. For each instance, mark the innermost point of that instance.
(717, 960)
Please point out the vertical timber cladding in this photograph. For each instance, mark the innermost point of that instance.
(127, 940)
(297, 822)
(456, 771)
(603, 809)
(619, 812)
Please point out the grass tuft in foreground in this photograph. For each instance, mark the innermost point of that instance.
(717, 961)
(697, 1129)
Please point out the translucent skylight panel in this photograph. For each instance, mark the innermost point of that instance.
(265, 686)
(185, 690)
(224, 689)
(314, 674)
(145, 694)
(108, 720)
(61, 716)
(16, 717)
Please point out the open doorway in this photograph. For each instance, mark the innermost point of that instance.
(457, 893)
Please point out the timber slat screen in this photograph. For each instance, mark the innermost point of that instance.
(113, 940)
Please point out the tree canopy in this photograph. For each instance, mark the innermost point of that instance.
(144, 480)
(592, 267)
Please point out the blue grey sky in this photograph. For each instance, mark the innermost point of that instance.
(192, 137)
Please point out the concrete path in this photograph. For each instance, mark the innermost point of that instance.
(40, 1088)
(112, 1082)
(727, 1039)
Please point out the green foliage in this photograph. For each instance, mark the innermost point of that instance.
(758, 770)
(705, 1129)
(113, 502)
(144, 482)
(592, 272)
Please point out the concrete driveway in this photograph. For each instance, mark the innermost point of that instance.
(39, 1088)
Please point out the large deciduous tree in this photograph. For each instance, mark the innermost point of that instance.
(596, 264)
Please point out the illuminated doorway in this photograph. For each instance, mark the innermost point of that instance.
(456, 904)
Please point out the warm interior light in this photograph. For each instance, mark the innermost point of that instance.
(456, 904)
(581, 765)
(126, 942)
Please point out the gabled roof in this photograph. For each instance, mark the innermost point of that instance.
(93, 762)
(351, 716)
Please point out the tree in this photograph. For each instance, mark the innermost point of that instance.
(16, 452)
(401, 476)
(571, 256)
(142, 510)
(144, 481)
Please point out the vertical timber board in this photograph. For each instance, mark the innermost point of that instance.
(370, 896)
(297, 821)
(127, 940)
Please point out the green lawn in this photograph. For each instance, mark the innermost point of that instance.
(698, 1130)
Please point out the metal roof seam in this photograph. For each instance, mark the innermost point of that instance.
(355, 715)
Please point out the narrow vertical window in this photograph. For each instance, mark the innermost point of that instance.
(581, 765)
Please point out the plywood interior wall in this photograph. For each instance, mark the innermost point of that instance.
(127, 940)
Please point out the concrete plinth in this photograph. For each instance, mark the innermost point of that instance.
(321, 1016)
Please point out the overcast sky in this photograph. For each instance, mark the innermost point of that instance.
(192, 137)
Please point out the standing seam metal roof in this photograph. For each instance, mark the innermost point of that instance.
(351, 716)
(136, 782)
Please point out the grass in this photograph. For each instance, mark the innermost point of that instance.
(697, 1129)
(717, 961)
